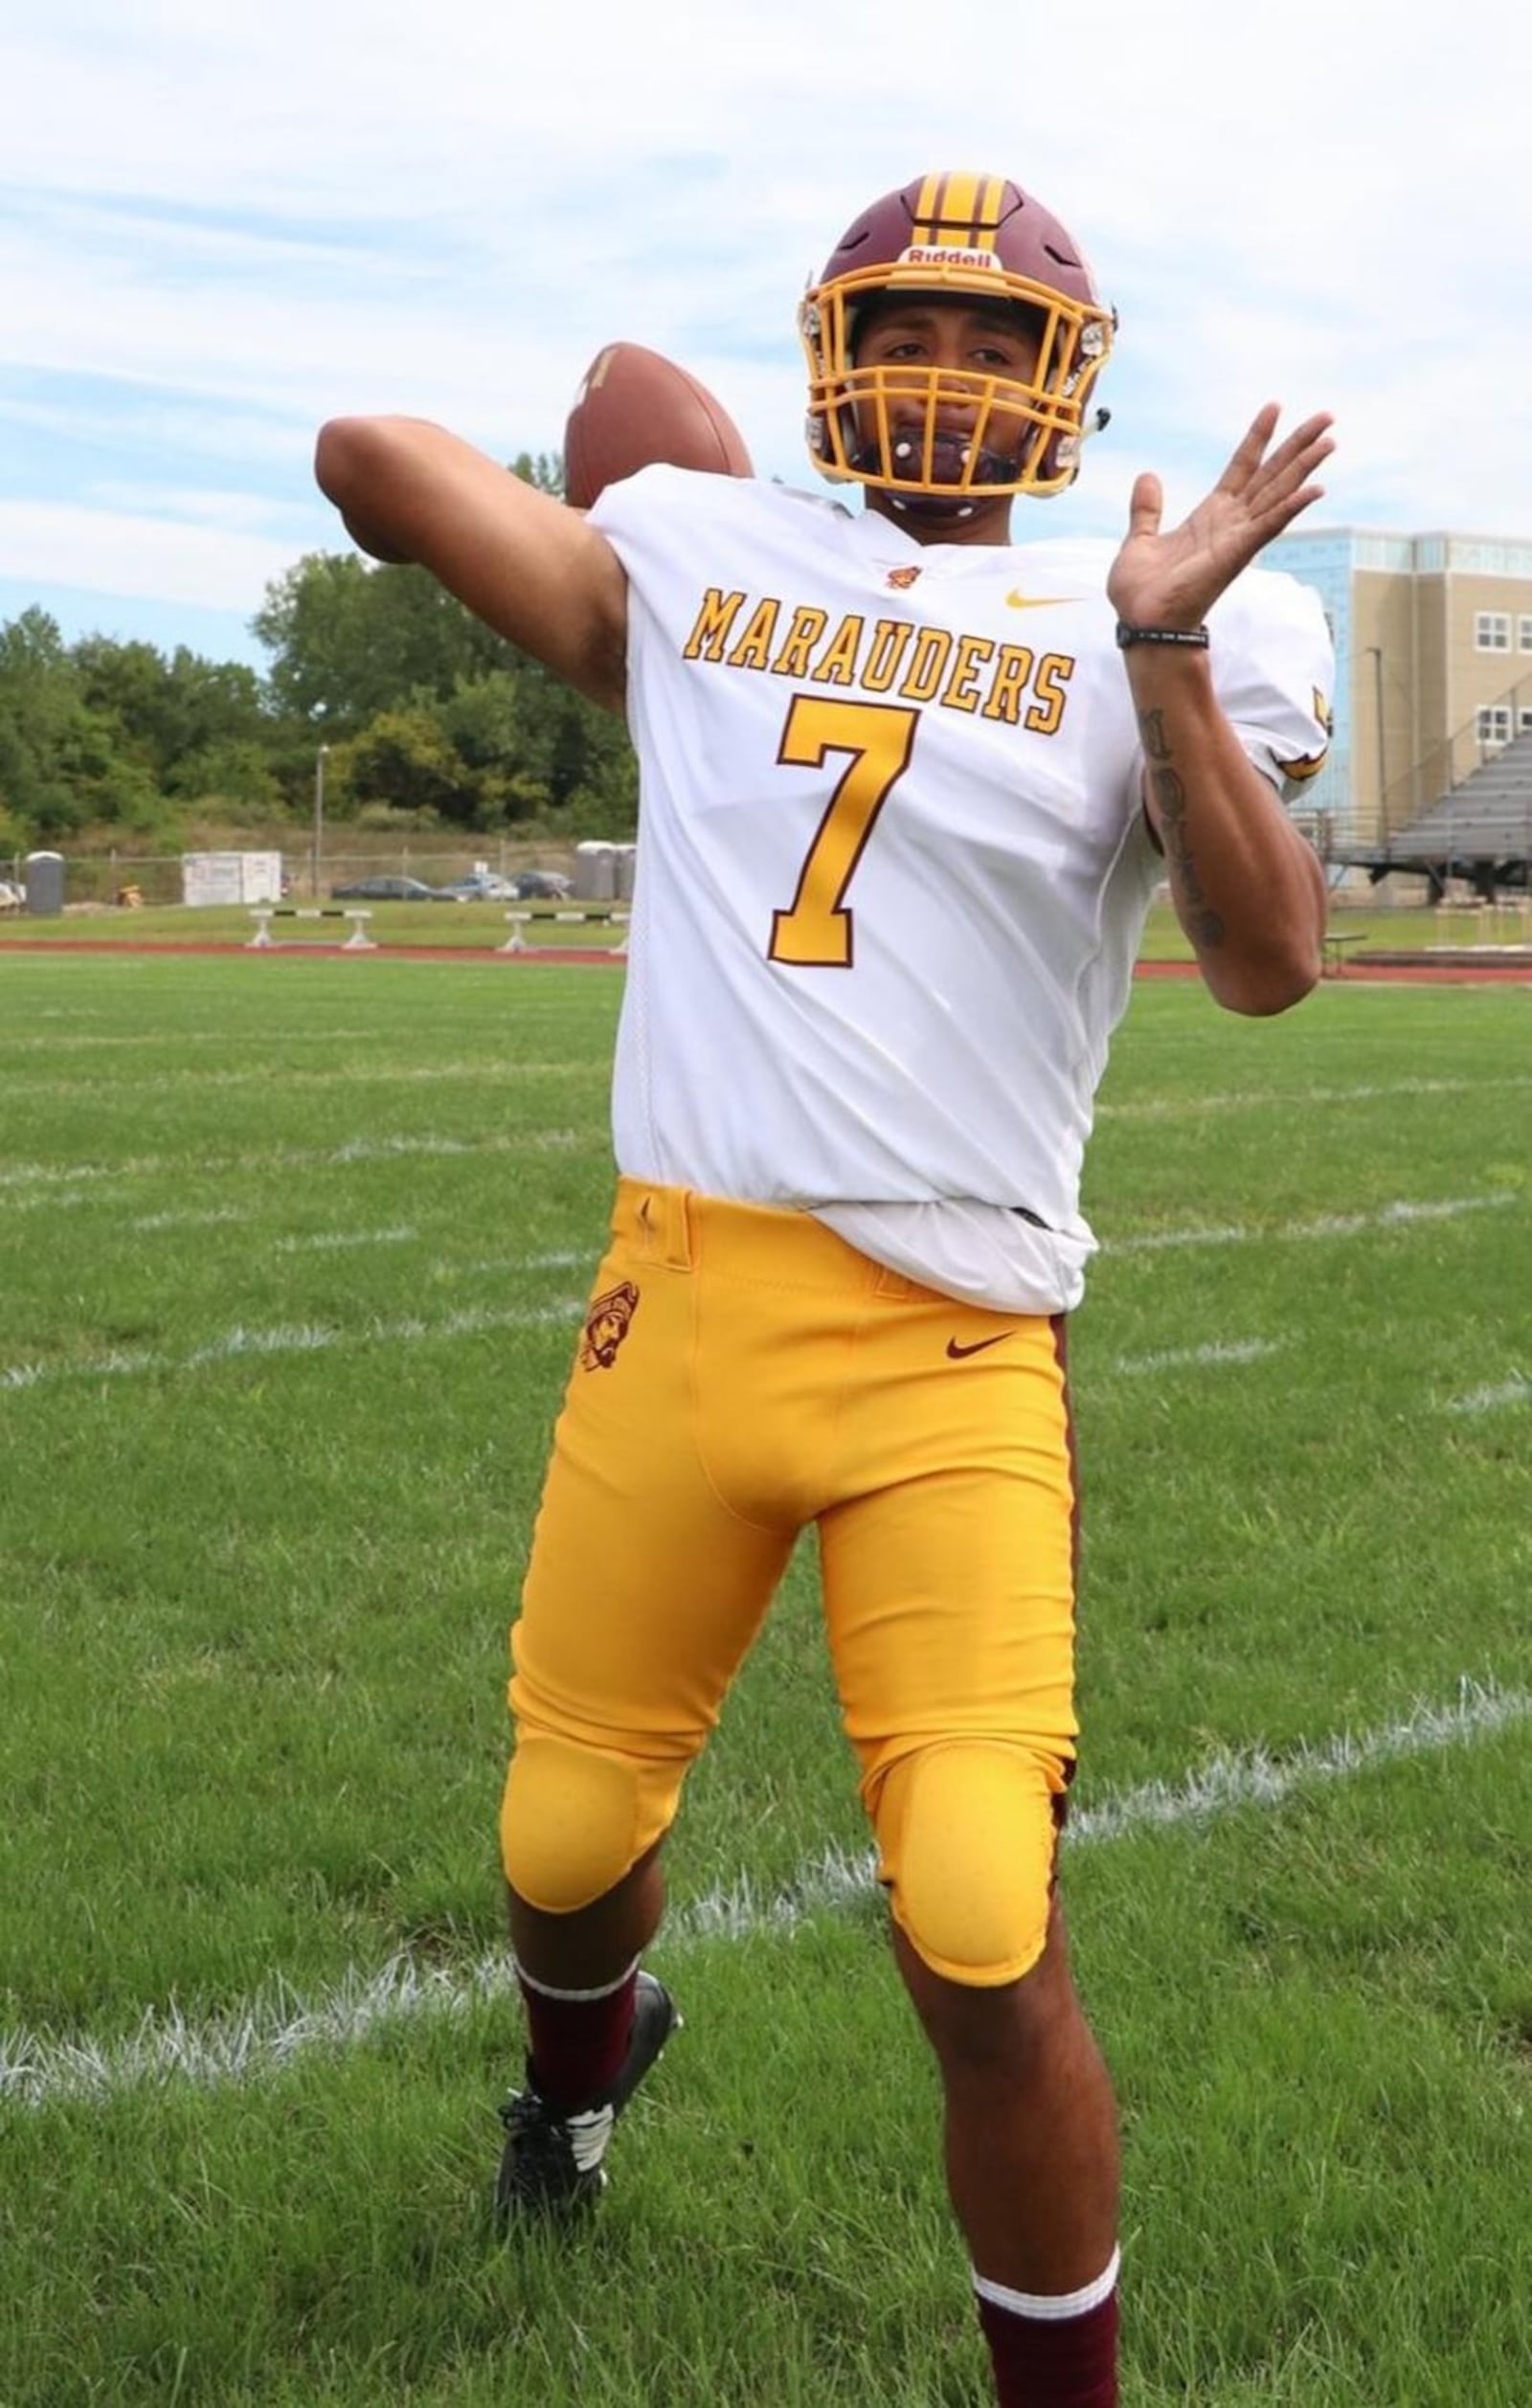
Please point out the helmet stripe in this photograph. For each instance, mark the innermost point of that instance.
(927, 206)
(959, 213)
(957, 204)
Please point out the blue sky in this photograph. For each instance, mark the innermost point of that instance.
(219, 228)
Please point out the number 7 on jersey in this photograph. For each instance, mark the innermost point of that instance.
(818, 930)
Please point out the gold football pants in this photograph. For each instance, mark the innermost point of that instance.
(743, 1373)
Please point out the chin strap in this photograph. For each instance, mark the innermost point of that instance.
(926, 505)
(993, 468)
(948, 451)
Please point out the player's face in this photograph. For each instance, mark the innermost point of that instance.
(937, 399)
(958, 337)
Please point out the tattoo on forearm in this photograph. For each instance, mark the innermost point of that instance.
(1152, 727)
(1200, 921)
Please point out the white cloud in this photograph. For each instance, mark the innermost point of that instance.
(111, 551)
(216, 229)
(246, 514)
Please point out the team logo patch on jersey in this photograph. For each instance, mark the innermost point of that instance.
(609, 1318)
(903, 577)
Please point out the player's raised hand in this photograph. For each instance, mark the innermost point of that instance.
(1171, 578)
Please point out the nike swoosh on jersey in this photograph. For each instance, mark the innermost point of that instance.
(958, 1351)
(1039, 601)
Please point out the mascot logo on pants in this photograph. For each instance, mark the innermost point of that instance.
(609, 1318)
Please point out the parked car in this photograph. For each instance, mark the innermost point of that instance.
(481, 885)
(540, 886)
(390, 890)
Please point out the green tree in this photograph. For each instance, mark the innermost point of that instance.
(404, 758)
(485, 722)
(233, 770)
(123, 685)
(349, 639)
(423, 707)
(543, 469)
(173, 717)
(59, 766)
(573, 746)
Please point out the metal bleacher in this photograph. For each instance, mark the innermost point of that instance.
(1480, 831)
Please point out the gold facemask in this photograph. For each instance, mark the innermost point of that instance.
(1024, 436)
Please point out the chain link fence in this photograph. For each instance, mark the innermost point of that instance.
(99, 880)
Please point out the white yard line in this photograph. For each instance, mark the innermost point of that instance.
(1219, 1351)
(335, 1241)
(1403, 1213)
(484, 1070)
(54, 1045)
(293, 1338)
(279, 2024)
(1516, 1390)
(1278, 1099)
(23, 1178)
(308, 1340)
(148, 1040)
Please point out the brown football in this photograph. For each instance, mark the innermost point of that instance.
(635, 407)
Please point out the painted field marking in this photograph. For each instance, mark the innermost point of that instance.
(293, 1338)
(276, 2026)
(1516, 1390)
(157, 1224)
(1149, 1108)
(485, 1071)
(27, 1176)
(335, 1241)
(314, 1338)
(1401, 1214)
(1382, 1091)
(142, 1040)
(1218, 1351)
(32, 1186)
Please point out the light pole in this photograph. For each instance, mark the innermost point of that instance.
(1376, 651)
(319, 814)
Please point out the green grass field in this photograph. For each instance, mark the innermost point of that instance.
(291, 1255)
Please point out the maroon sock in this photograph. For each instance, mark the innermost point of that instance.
(576, 2044)
(1053, 2362)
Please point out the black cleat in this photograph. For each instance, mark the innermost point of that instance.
(553, 2161)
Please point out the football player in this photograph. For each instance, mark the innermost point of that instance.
(905, 788)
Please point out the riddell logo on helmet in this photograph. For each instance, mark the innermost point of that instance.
(947, 255)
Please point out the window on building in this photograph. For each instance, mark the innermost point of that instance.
(1491, 631)
(1492, 723)
(1524, 632)
(1523, 722)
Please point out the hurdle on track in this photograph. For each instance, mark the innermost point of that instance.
(592, 915)
(263, 913)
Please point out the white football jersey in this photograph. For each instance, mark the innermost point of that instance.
(893, 865)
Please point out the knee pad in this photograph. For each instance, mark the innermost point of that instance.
(572, 1822)
(967, 1832)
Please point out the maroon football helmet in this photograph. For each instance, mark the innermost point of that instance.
(968, 237)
